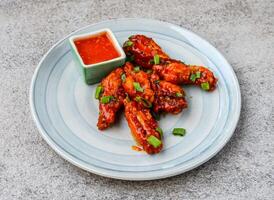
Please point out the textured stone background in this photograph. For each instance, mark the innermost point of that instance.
(242, 30)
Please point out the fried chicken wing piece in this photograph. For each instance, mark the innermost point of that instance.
(111, 99)
(137, 85)
(169, 98)
(143, 49)
(179, 73)
(143, 127)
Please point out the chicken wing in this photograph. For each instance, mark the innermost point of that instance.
(137, 85)
(143, 127)
(179, 73)
(143, 49)
(111, 99)
(169, 98)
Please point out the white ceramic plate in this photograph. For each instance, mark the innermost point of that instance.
(65, 110)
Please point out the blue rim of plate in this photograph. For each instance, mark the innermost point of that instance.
(196, 161)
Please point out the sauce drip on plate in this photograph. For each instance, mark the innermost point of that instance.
(96, 49)
(136, 148)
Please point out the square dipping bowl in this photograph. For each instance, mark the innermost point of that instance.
(94, 73)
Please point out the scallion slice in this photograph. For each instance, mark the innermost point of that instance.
(123, 77)
(106, 99)
(198, 74)
(138, 87)
(138, 99)
(156, 59)
(98, 91)
(154, 141)
(136, 69)
(128, 43)
(178, 94)
(205, 86)
(179, 131)
(193, 77)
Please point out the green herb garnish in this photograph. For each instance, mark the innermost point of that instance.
(138, 99)
(198, 74)
(156, 59)
(106, 99)
(154, 141)
(179, 131)
(193, 77)
(178, 94)
(136, 69)
(128, 43)
(205, 86)
(123, 77)
(138, 87)
(98, 91)
(149, 71)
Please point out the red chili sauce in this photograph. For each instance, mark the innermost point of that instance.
(136, 148)
(96, 49)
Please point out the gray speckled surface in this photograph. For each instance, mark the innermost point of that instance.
(242, 30)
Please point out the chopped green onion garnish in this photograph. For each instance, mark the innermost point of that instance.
(205, 86)
(138, 87)
(193, 77)
(98, 91)
(136, 69)
(198, 74)
(154, 141)
(155, 115)
(149, 71)
(145, 102)
(178, 94)
(128, 43)
(123, 77)
(179, 131)
(159, 130)
(138, 99)
(156, 59)
(106, 99)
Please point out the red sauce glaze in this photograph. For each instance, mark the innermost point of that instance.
(96, 49)
(136, 148)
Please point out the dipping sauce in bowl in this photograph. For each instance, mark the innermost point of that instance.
(96, 49)
(97, 53)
